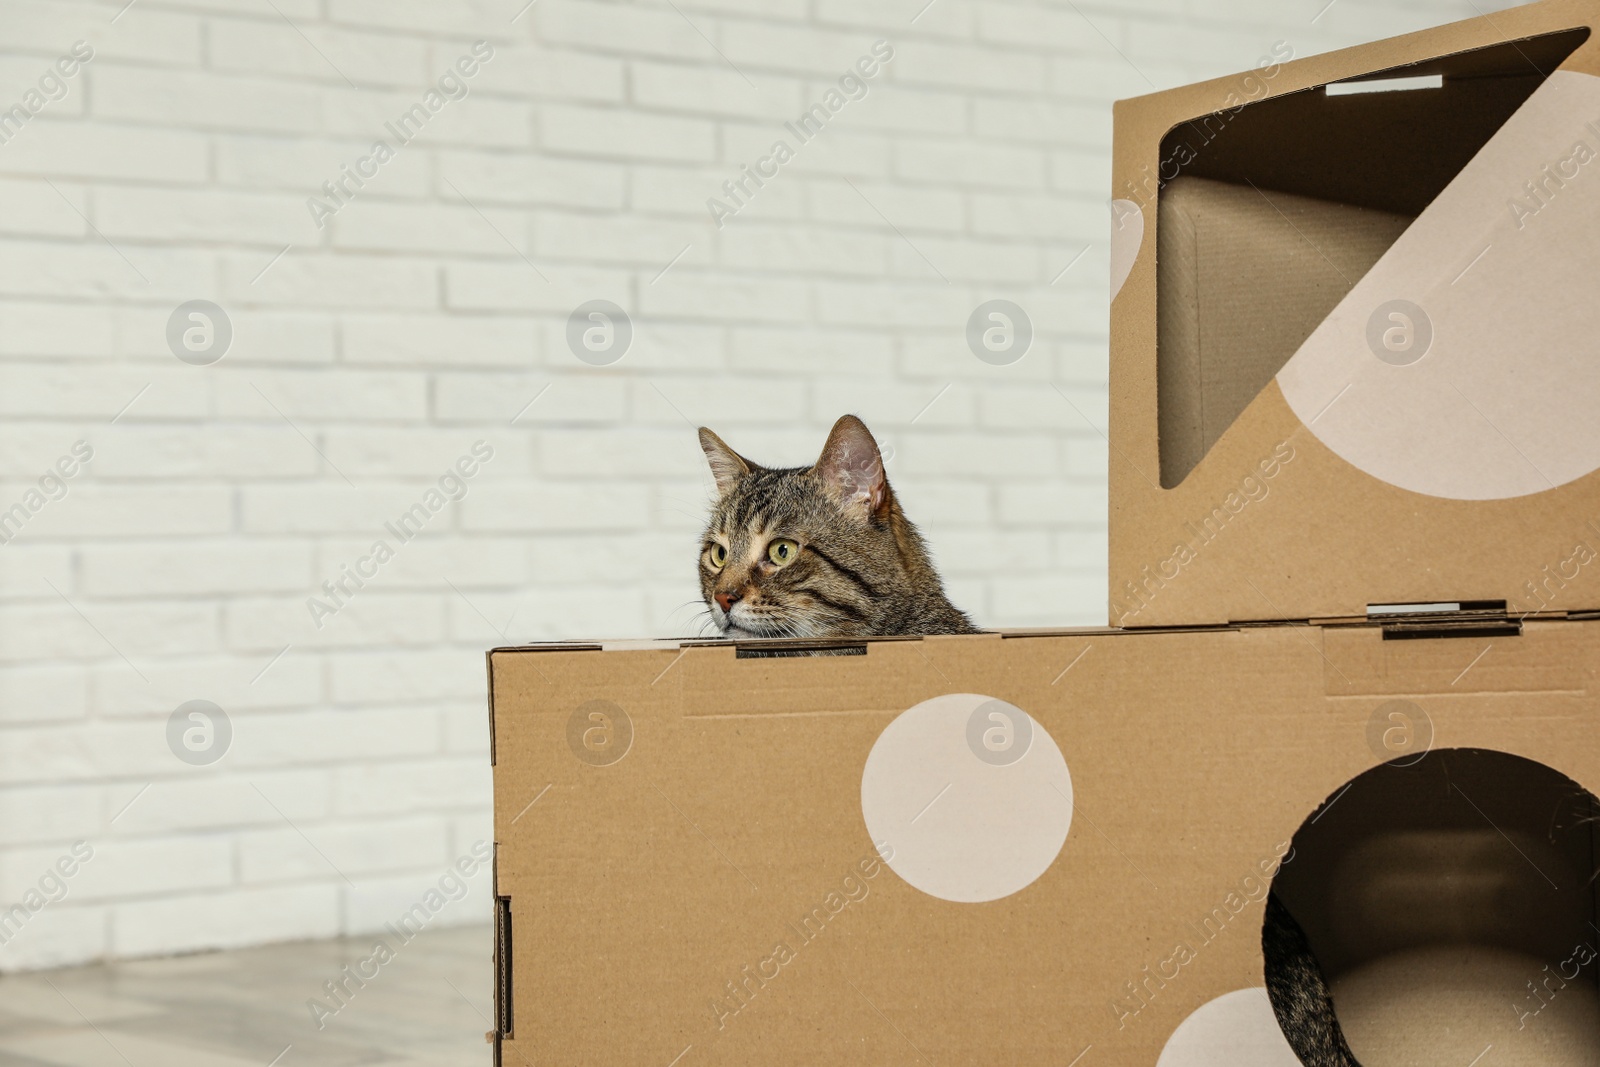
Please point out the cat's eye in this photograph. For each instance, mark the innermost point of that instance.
(719, 556)
(782, 551)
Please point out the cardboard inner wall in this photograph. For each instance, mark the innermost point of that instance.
(1243, 276)
(639, 890)
(1280, 208)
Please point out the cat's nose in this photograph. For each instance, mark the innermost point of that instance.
(726, 601)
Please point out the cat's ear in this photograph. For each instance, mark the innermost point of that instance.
(852, 470)
(727, 466)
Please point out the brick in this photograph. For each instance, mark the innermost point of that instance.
(233, 566)
(383, 677)
(618, 239)
(265, 800)
(273, 46)
(473, 119)
(42, 694)
(727, 294)
(38, 210)
(50, 813)
(147, 452)
(267, 161)
(180, 98)
(370, 618)
(614, 133)
(717, 90)
(452, 18)
(552, 505)
(135, 630)
(969, 164)
(1043, 121)
(46, 26)
(552, 610)
(888, 407)
(234, 683)
(198, 922)
(810, 249)
(543, 73)
(856, 352)
(309, 278)
(427, 228)
(898, 303)
(68, 390)
(1053, 600)
(888, 16)
(191, 215)
(96, 271)
(344, 736)
(466, 732)
(396, 788)
(488, 178)
(376, 902)
(354, 849)
(774, 46)
(1052, 502)
(943, 66)
(107, 151)
(321, 395)
(572, 453)
(111, 511)
(648, 30)
(679, 346)
(514, 286)
(837, 149)
(1022, 214)
(496, 398)
(118, 867)
(416, 453)
(682, 191)
(39, 328)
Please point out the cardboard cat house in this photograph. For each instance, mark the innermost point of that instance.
(1352, 347)
(1056, 847)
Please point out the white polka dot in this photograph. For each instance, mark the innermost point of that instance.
(1503, 402)
(1127, 234)
(970, 795)
(1237, 1029)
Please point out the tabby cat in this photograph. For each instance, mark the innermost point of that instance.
(818, 551)
(825, 551)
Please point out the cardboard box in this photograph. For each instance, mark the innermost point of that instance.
(1056, 847)
(1351, 334)
(688, 872)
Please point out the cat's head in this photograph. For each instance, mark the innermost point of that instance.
(805, 551)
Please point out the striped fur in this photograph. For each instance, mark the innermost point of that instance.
(861, 567)
(1299, 992)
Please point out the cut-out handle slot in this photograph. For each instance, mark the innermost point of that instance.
(790, 651)
(504, 1001)
(1385, 85)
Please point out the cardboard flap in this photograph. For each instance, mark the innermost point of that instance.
(1457, 367)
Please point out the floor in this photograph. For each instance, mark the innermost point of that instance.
(428, 1005)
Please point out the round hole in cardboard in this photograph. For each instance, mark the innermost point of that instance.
(1450, 902)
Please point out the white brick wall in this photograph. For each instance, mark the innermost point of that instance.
(427, 315)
